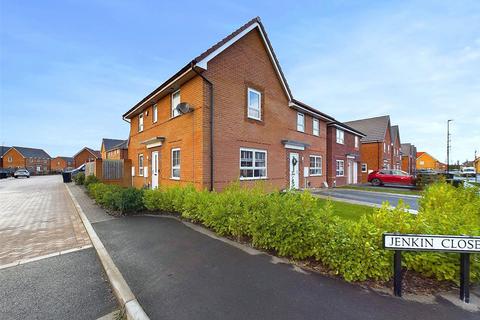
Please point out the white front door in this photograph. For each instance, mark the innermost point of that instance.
(355, 172)
(154, 169)
(349, 171)
(294, 171)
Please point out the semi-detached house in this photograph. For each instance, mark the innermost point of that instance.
(228, 115)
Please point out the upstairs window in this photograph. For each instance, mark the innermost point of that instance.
(140, 122)
(140, 165)
(175, 102)
(176, 163)
(253, 164)
(340, 136)
(254, 104)
(316, 127)
(154, 113)
(357, 141)
(300, 122)
(315, 166)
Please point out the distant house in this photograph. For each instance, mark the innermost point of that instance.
(426, 161)
(85, 155)
(114, 149)
(37, 161)
(343, 154)
(396, 148)
(376, 147)
(60, 163)
(409, 155)
(3, 150)
(476, 163)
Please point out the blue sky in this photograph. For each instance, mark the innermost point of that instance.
(70, 69)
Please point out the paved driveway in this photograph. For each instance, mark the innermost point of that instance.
(370, 197)
(37, 217)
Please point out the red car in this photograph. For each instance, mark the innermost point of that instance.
(388, 176)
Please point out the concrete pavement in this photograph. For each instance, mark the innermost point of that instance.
(376, 198)
(178, 273)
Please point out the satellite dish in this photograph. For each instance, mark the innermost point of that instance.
(184, 108)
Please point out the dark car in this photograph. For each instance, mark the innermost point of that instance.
(389, 176)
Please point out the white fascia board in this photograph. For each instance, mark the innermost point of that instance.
(345, 129)
(304, 110)
(204, 62)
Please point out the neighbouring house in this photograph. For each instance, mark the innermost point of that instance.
(3, 150)
(114, 149)
(426, 161)
(228, 115)
(376, 146)
(343, 154)
(409, 156)
(476, 163)
(37, 161)
(60, 163)
(396, 148)
(85, 155)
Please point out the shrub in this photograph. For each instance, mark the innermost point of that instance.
(79, 178)
(129, 200)
(90, 179)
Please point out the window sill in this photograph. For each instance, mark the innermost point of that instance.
(315, 175)
(174, 178)
(340, 176)
(253, 178)
(255, 119)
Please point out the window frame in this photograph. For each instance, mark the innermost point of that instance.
(259, 104)
(173, 109)
(177, 167)
(337, 168)
(315, 168)
(302, 115)
(253, 167)
(340, 132)
(317, 122)
(357, 142)
(366, 167)
(155, 113)
(140, 122)
(140, 167)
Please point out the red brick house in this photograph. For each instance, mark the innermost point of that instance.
(59, 163)
(409, 155)
(396, 148)
(3, 150)
(37, 161)
(85, 155)
(228, 115)
(114, 149)
(376, 146)
(343, 154)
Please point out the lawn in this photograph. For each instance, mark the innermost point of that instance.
(384, 189)
(348, 210)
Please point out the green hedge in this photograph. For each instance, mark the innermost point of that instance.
(116, 198)
(79, 178)
(298, 226)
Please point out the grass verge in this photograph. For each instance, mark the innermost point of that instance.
(348, 211)
(384, 189)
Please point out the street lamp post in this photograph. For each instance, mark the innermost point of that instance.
(448, 145)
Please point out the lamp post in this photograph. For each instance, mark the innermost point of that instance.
(448, 144)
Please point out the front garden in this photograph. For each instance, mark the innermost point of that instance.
(302, 227)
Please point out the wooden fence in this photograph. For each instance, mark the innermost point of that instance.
(112, 169)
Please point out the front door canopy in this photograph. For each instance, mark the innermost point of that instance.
(295, 145)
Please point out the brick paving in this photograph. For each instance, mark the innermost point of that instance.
(37, 217)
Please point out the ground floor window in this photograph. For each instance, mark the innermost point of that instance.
(140, 165)
(340, 168)
(253, 164)
(315, 166)
(176, 163)
(364, 167)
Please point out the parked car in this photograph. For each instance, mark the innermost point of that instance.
(388, 176)
(21, 173)
(76, 171)
(468, 172)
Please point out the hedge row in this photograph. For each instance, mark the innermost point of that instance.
(116, 198)
(297, 225)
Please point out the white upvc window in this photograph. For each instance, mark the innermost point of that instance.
(154, 113)
(253, 164)
(300, 122)
(254, 102)
(175, 101)
(176, 163)
(357, 141)
(10, 159)
(140, 122)
(140, 165)
(364, 167)
(340, 168)
(384, 147)
(316, 127)
(340, 136)
(315, 166)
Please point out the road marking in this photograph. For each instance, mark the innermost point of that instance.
(53, 254)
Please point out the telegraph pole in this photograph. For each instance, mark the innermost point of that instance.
(448, 145)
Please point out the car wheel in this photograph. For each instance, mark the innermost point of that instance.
(16, 177)
(376, 182)
(28, 176)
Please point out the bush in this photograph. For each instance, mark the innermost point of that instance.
(79, 178)
(116, 198)
(90, 179)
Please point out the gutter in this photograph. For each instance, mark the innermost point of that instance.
(210, 84)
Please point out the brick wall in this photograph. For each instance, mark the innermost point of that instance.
(13, 159)
(82, 157)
